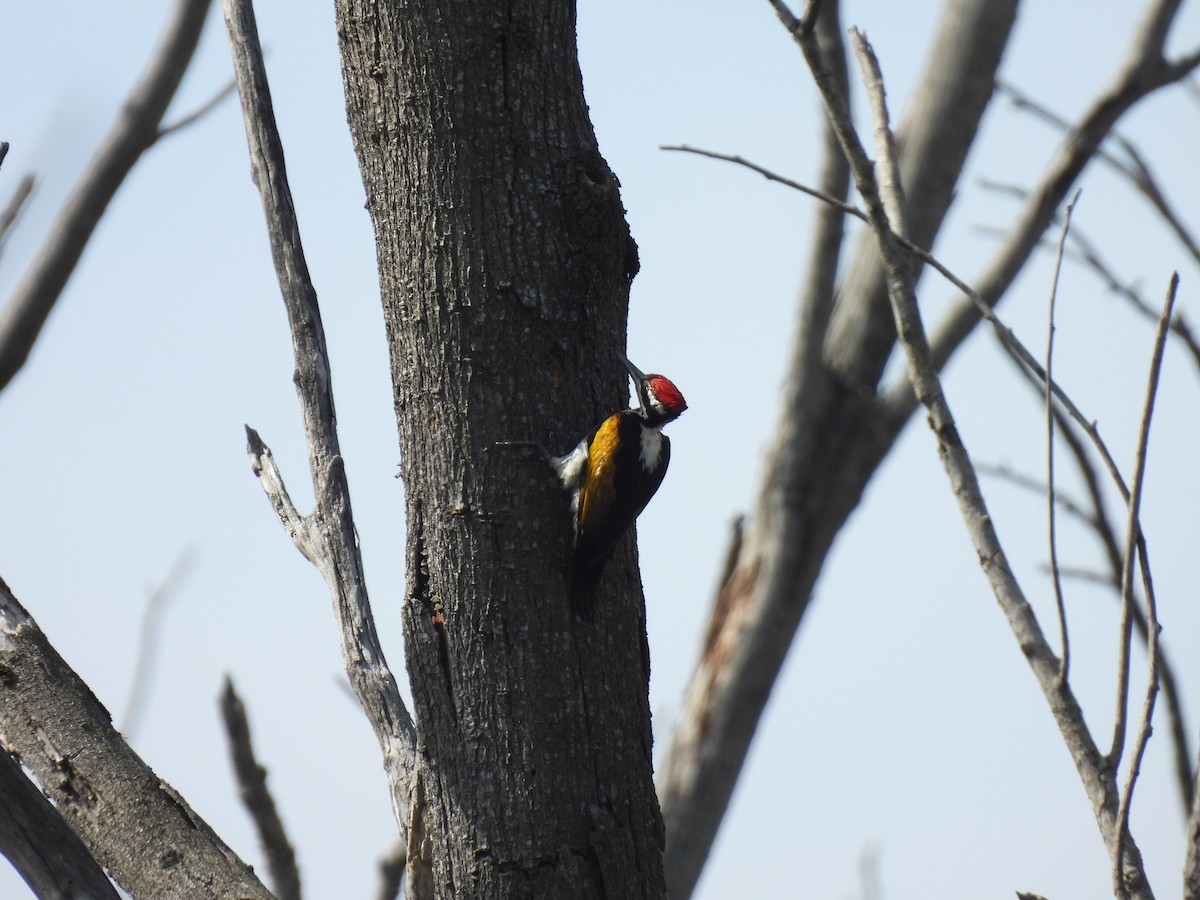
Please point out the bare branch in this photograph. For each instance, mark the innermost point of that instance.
(123, 812)
(837, 203)
(900, 398)
(1134, 167)
(1067, 504)
(1135, 541)
(1096, 776)
(1098, 521)
(327, 536)
(697, 778)
(134, 132)
(798, 512)
(1051, 512)
(1085, 251)
(1144, 72)
(41, 846)
(256, 797)
(820, 289)
(200, 112)
(148, 646)
(1133, 530)
(887, 166)
(16, 203)
(1020, 355)
(939, 127)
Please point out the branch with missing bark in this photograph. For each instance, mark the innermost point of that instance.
(326, 536)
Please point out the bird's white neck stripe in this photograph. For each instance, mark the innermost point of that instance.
(651, 448)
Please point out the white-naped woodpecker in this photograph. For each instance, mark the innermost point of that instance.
(611, 476)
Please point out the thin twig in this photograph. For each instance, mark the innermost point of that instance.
(1106, 533)
(1006, 335)
(1064, 502)
(148, 645)
(1051, 507)
(256, 797)
(1084, 250)
(1133, 529)
(204, 109)
(12, 209)
(326, 536)
(1087, 252)
(1090, 576)
(820, 286)
(887, 163)
(1144, 71)
(848, 208)
(1134, 167)
(922, 368)
(134, 132)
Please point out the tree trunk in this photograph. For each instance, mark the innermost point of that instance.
(505, 265)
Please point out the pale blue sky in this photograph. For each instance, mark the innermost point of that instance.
(906, 719)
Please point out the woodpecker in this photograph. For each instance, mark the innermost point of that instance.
(612, 474)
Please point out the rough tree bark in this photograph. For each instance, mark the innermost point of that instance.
(504, 264)
(135, 825)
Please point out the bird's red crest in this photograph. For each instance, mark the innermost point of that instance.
(666, 392)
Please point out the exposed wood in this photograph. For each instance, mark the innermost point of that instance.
(327, 536)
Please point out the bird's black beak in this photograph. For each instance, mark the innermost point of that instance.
(639, 383)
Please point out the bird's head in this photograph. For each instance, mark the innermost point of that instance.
(659, 401)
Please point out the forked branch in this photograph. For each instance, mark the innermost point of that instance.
(326, 536)
(1133, 533)
(1097, 777)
